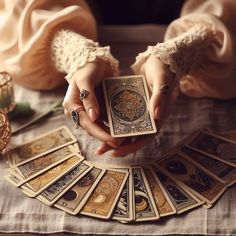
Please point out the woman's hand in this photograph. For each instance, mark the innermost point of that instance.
(162, 84)
(88, 77)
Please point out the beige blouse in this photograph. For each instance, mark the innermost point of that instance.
(42, 41)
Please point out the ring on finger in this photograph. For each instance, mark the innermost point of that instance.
(164, 88)
(75, 115)
(83, 94)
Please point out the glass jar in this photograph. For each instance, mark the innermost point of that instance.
(5, 131)
(7, 100)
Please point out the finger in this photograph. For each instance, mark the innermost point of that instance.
(165, 110)
(96, 131)
(71, 100)
(90, 102)
(157, 102)
(87, 78)
(159, 78)
(103, 148)
(133, 146)
(66, 112)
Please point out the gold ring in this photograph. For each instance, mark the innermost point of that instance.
(83, 94)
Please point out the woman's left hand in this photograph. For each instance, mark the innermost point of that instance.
(162, 83)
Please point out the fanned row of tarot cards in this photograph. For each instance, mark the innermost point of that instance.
(196, 172)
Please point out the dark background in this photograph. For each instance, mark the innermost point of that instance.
(131, 12)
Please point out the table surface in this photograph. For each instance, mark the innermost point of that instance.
(21, 214)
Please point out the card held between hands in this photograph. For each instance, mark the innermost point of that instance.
(126, 100)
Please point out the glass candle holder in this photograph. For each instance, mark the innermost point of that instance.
(7, 101)
(5, 131)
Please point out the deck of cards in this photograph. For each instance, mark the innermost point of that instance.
(126, 99)
(196, 172)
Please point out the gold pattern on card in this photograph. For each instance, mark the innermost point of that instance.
(191, 175)
(73, 197)
(45, 178)
(102, 199)
(43, 144)
(30, 168)
(128, 105)
(160, 199)
(126, 101)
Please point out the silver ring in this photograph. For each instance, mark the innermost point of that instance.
(83, 94)
(164, 88)
(75, 115)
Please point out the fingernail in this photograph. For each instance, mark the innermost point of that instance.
(156, 113)
(92, 114)
(98, 152)
(113, 145)
(113, 154)
(117, 155)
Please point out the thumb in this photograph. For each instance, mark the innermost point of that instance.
(157, 100)
(159, 79)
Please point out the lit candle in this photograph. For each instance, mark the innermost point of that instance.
(7, 102)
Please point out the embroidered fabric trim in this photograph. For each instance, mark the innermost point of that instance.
(71, 51)
(183, 53)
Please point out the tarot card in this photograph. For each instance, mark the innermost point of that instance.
(231, 134)
(191, 175)
(215, 146)
(126, 100)
(106, 194)
(76, 147)
(50, 195)
(74, 199)
(41, 145)
(145, 207)
(13, 177)
(123, 210)
(38, 184)
(182, 142)
(9, 159)
(182, 199)
(37, 166)
(162, 201)
(220, 169)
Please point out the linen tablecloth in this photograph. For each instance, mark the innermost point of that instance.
(21, 214)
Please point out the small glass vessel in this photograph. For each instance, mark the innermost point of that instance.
(7, 100)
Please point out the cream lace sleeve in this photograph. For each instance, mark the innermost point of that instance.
(200, 48)
(184, 53)
(71, 51)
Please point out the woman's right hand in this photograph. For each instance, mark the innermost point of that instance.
(89, 77)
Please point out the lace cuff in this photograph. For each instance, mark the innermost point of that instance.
(184, 53)
(71, 51)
